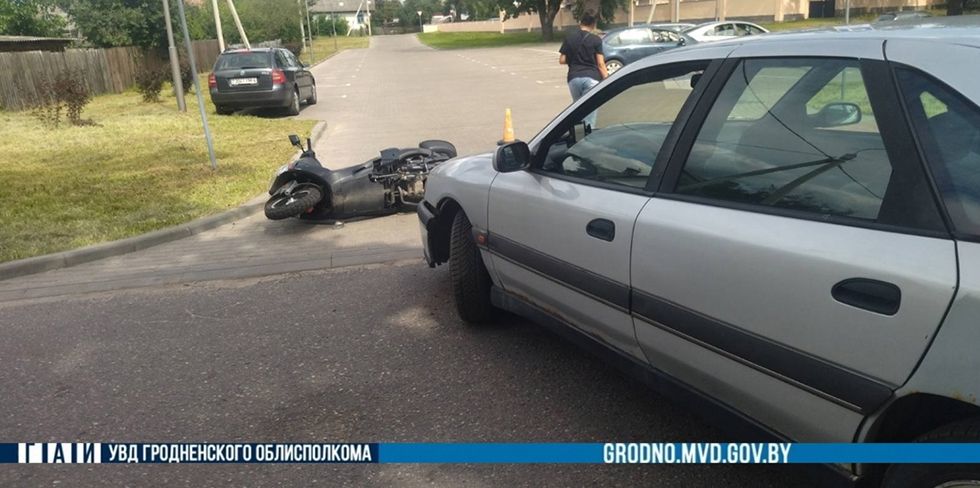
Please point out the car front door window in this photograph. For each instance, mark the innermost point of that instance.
(629, 131)
(792, 134)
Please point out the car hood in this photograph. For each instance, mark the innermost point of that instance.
(464, 164)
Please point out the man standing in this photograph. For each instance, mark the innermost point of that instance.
(582, 52)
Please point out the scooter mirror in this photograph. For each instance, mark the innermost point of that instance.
(294, 140)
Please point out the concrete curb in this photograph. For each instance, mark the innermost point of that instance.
(65, 259)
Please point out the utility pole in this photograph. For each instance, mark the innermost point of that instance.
(174, 62)
(368, 8)
(333, 23)
(217, 25)
(302, 30)
(309, 29)
(197, 84)
(653, 8)
(238, 24)
(847, 12)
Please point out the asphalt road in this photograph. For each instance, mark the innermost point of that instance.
(400, 92)
(371, 353)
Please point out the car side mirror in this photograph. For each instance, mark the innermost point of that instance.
(836, 114)
(511, 157)
(295, 140)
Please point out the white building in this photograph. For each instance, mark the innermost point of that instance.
(354, 11)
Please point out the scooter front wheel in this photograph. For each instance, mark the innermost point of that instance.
(284, 206)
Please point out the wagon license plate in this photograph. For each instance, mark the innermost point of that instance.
(243, 81)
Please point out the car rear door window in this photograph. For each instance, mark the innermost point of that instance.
(293, 62)
(948, 129)
(282, 60)
(794, 134)
(619, 142)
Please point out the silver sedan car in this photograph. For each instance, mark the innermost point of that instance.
(783, 234)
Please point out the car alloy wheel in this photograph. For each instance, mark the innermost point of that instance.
(613, 66)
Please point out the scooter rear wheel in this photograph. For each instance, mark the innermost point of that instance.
(284, 206)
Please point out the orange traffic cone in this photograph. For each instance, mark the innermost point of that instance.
(508, 128)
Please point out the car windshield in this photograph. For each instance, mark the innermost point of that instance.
(694, 27)
(243, 60)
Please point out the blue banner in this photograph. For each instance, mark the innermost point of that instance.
(500, 453)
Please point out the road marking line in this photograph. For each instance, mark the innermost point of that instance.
(540, 50)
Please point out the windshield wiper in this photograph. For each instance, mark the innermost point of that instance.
(825, 164)
(789, 187)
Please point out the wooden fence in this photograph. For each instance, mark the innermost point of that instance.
(111, 70)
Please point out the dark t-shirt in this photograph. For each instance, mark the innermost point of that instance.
(580, 48)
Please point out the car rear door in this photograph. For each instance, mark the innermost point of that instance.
(560, 234)
(303, 76)
(793, 263)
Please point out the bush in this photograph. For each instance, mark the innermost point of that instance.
(186, 74)
(66, 95)
(325, 26)
(149, 82)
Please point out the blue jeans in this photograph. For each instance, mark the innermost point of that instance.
(579, 87)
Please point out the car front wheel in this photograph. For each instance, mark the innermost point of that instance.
(469, 276)
(939, 475)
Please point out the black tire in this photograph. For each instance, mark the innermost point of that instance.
(282, 206)
(441, 147)
(223, 110)
(312, 99)
(293, 108)
(469, 276)
(934, 475)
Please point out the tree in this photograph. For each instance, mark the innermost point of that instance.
(325, 25)
(109, 23)
(30, 18)
(263, 20)
(605, 9)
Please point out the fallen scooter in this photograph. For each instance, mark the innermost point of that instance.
(383, 185)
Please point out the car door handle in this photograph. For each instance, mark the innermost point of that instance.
(602, 229)
(872, 295)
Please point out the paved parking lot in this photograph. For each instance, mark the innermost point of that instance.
(400, 91)
(205, 340)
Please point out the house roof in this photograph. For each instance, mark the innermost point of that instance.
(336, 6)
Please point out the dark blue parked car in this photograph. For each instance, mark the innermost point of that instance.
(625, 45)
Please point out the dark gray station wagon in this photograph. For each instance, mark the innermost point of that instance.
(260, 78)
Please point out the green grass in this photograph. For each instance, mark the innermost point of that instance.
(143, 168)
(324, 47)
(464, 40)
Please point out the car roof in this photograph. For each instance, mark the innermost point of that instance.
(964, 30)
(661, 27)
(719, 22)
(253, 50)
